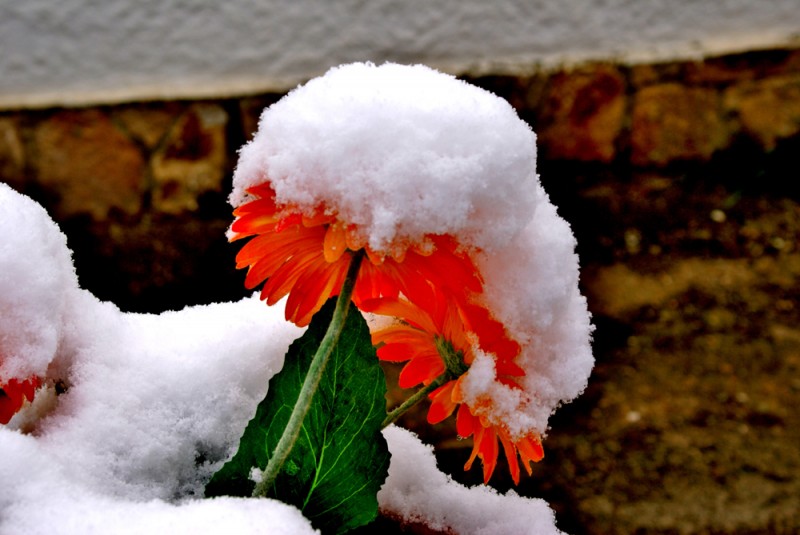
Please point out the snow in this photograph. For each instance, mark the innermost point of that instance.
(417, 492)
(31, 312)
(149, 395)
(401, 151)
(156, 403)
(154, 393)
(531, 285)
(40, 496)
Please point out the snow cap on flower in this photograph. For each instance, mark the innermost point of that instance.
(531, 286)
(36, 277)
(398, 151)
(401, 153)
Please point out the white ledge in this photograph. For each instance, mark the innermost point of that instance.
(78, 52)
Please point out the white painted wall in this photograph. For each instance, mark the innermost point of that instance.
(85, 51)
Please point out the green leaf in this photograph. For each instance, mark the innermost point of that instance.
(340, 459)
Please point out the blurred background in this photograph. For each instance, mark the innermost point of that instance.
(668, 136)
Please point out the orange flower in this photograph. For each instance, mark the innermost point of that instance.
(13, 395)
(484, 442)
(306, 257)
(439, 341)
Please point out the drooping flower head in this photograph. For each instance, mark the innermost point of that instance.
(399, 152)
(436, 181)
(307, 256)
(439, 341)
(384, 159)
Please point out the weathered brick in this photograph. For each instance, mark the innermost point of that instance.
(12, 153)
(192, 160)
(582, 114)
(81, 156)
(768, 110)
(148, 123)
(644, 74)
(737, 68)
(672, 122)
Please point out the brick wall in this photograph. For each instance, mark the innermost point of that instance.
(140, 188)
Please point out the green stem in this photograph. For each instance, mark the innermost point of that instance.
(418, 396)
(311, 382)
(454, 368)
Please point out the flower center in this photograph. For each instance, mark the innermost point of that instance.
(453, 359)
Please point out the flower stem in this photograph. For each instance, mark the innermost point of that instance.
(312, 380)
(454, 368)
(396, 413)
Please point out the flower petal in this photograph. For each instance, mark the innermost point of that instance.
(400, 333)
(405, 310)
(423, 368)
(488, 453)
(511, 455)
(13, 395)
(399, 352)
(465, 421)
(334, 245)
(530, 451)
(477, 439)
(313, 289)
(442, 404)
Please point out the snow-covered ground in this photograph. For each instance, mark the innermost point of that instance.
(155, 403)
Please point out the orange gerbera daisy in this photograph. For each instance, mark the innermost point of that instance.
(438, 344)
(13, 395)
(306, 257)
